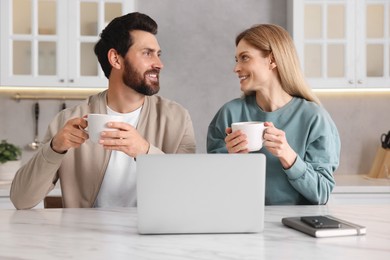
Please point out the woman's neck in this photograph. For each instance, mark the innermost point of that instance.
(272, 99)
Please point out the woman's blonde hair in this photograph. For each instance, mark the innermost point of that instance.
(273, 40)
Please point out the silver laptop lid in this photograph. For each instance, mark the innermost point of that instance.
(200, 193)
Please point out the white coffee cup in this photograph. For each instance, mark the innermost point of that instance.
(254, 133)
(98, 123)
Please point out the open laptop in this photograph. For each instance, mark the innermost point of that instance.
(200, 193)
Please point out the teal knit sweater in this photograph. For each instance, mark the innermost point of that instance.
(310, 132)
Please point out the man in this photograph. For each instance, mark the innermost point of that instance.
(103, 174)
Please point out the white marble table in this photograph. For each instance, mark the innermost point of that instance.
(112, 234)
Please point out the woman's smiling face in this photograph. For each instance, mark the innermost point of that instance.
(253, 70)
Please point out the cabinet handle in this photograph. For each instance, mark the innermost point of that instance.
(62, 80)
(351, 81)
(71, 80)
(360, 81)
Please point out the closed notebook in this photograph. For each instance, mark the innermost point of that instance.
(346, 228)
(200, 193)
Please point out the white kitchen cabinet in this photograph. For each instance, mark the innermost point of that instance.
(50, 42)
(342, 43)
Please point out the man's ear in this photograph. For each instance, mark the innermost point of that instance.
(114, 58)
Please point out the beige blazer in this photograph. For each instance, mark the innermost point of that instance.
(166, 125)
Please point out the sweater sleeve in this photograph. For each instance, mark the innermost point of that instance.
(35, 179)
(216, 134)
(312, 175)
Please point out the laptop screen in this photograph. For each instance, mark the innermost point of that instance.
(200, 193)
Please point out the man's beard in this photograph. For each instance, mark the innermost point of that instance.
(134, 80)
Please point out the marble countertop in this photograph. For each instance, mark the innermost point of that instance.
(112, 233)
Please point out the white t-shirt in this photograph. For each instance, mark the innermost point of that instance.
(119, 184)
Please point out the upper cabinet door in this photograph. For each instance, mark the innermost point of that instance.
(375, 48)
(342, 43)
(50, 42)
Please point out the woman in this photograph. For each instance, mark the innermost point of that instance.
(301, 142)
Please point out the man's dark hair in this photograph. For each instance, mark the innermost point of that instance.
(117, 36)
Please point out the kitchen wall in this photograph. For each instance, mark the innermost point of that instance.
(197, 40)
(361, 118)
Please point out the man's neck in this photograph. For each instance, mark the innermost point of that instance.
(123, 99)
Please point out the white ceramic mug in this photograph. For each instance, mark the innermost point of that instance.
(98, 123)
(254, 133)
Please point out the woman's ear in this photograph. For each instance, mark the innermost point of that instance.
(114, 58)
(272, 63)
